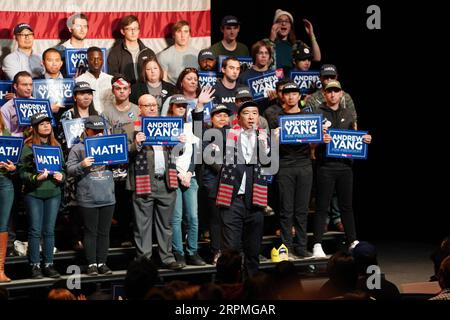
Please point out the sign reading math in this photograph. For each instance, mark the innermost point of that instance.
(112, 149)
(207, 78)
(56, 90)
(206, 111)
(25, 108)
(77, 58)
(304, 128)
(5, 87)
(260, 85)
(10, 149)
(307, 81)
(347, 144)
(73, 130)
(47, 157)
(162, 130)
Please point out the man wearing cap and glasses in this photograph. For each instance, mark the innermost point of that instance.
(24, 58)
(229, 46)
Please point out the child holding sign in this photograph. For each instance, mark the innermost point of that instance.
(42, 197)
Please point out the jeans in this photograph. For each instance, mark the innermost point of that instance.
(187, 201)
(42, 215)
(6, 201)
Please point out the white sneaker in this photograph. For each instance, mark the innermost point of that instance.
(318, 251)
(353, 245)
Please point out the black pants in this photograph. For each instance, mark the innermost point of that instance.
(97, 223)
(329, 178)
(294, 190)
(243, 228)
(214, 224)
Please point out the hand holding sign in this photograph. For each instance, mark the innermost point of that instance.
(182, 138)
(367, 138)
(87, 162)
(140, 137)
(326, 138)
(58, 176)
(42, 176)
(8, 165)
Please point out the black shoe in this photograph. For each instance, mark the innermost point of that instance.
(92, 270)
(304, 254)
(180, 259)
(36, 272)
(195, 260)
(104, 269)
(50, 272)
(174, 265)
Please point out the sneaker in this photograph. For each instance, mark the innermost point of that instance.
(353, 245)
(78, 246)
(92, 270)
(268, 211)
(195, 260)
(36, 272)
(50, 272)
(216, 257)
(318, 251)
(104, 269)
(20, 248)
(174, 265)
(180, 259)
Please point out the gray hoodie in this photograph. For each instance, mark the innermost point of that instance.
(95, 185)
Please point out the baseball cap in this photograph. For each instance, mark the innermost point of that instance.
(290, 87)
(364, 249)
(243, 92)
(302, 52)
(39, 117)
(95, 123)
(333, 84)
(82, 86)
(206, 54)
(220, 108)
(328, 70)
(178, 99)
(247, 104)
(230, 21)
(22, 26)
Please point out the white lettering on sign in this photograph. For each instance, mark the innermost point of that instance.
(9, 151)
(28, 109)
(48, 159)
(265, 84)
(163, 129)
(349, 142)
(110, 149)
(301, 126)
(78, 59)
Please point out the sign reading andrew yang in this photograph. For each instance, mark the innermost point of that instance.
(112, 149)
(303, 128)
(207, 78)
(10, 149)
(5, 88)
(162, 130)
(72, 130)
(347, 144)
(25, 108)
(307, 81)
(260, 85)
(77, 58)
(47, 157)
(56, 90)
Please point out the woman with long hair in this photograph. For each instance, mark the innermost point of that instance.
(151, 82)
(42, 192)
(7, 168)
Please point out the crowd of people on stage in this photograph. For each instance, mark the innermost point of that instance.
(166, 193)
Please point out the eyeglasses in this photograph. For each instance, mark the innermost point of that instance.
(25, 35)
(283, 21)
(150, 105)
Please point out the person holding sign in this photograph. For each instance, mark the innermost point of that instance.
(42, 196)
(95, 197)
(23, 86)
(152, 178)
(334, 172)
(294, 180)
(7, 168)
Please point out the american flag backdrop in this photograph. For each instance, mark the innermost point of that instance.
(48, 19)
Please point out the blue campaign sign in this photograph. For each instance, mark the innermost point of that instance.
(260, 85)
(47, 157)
(25, 108)
(162, 130)
(206, 110)
(112, 149)
(347, 144)
(243, 60)
(10, 148)
(303, 128)
(307, 81)
(78, 58)
(207, 78)
(5, 87)
(55, 90)
(73, 129)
